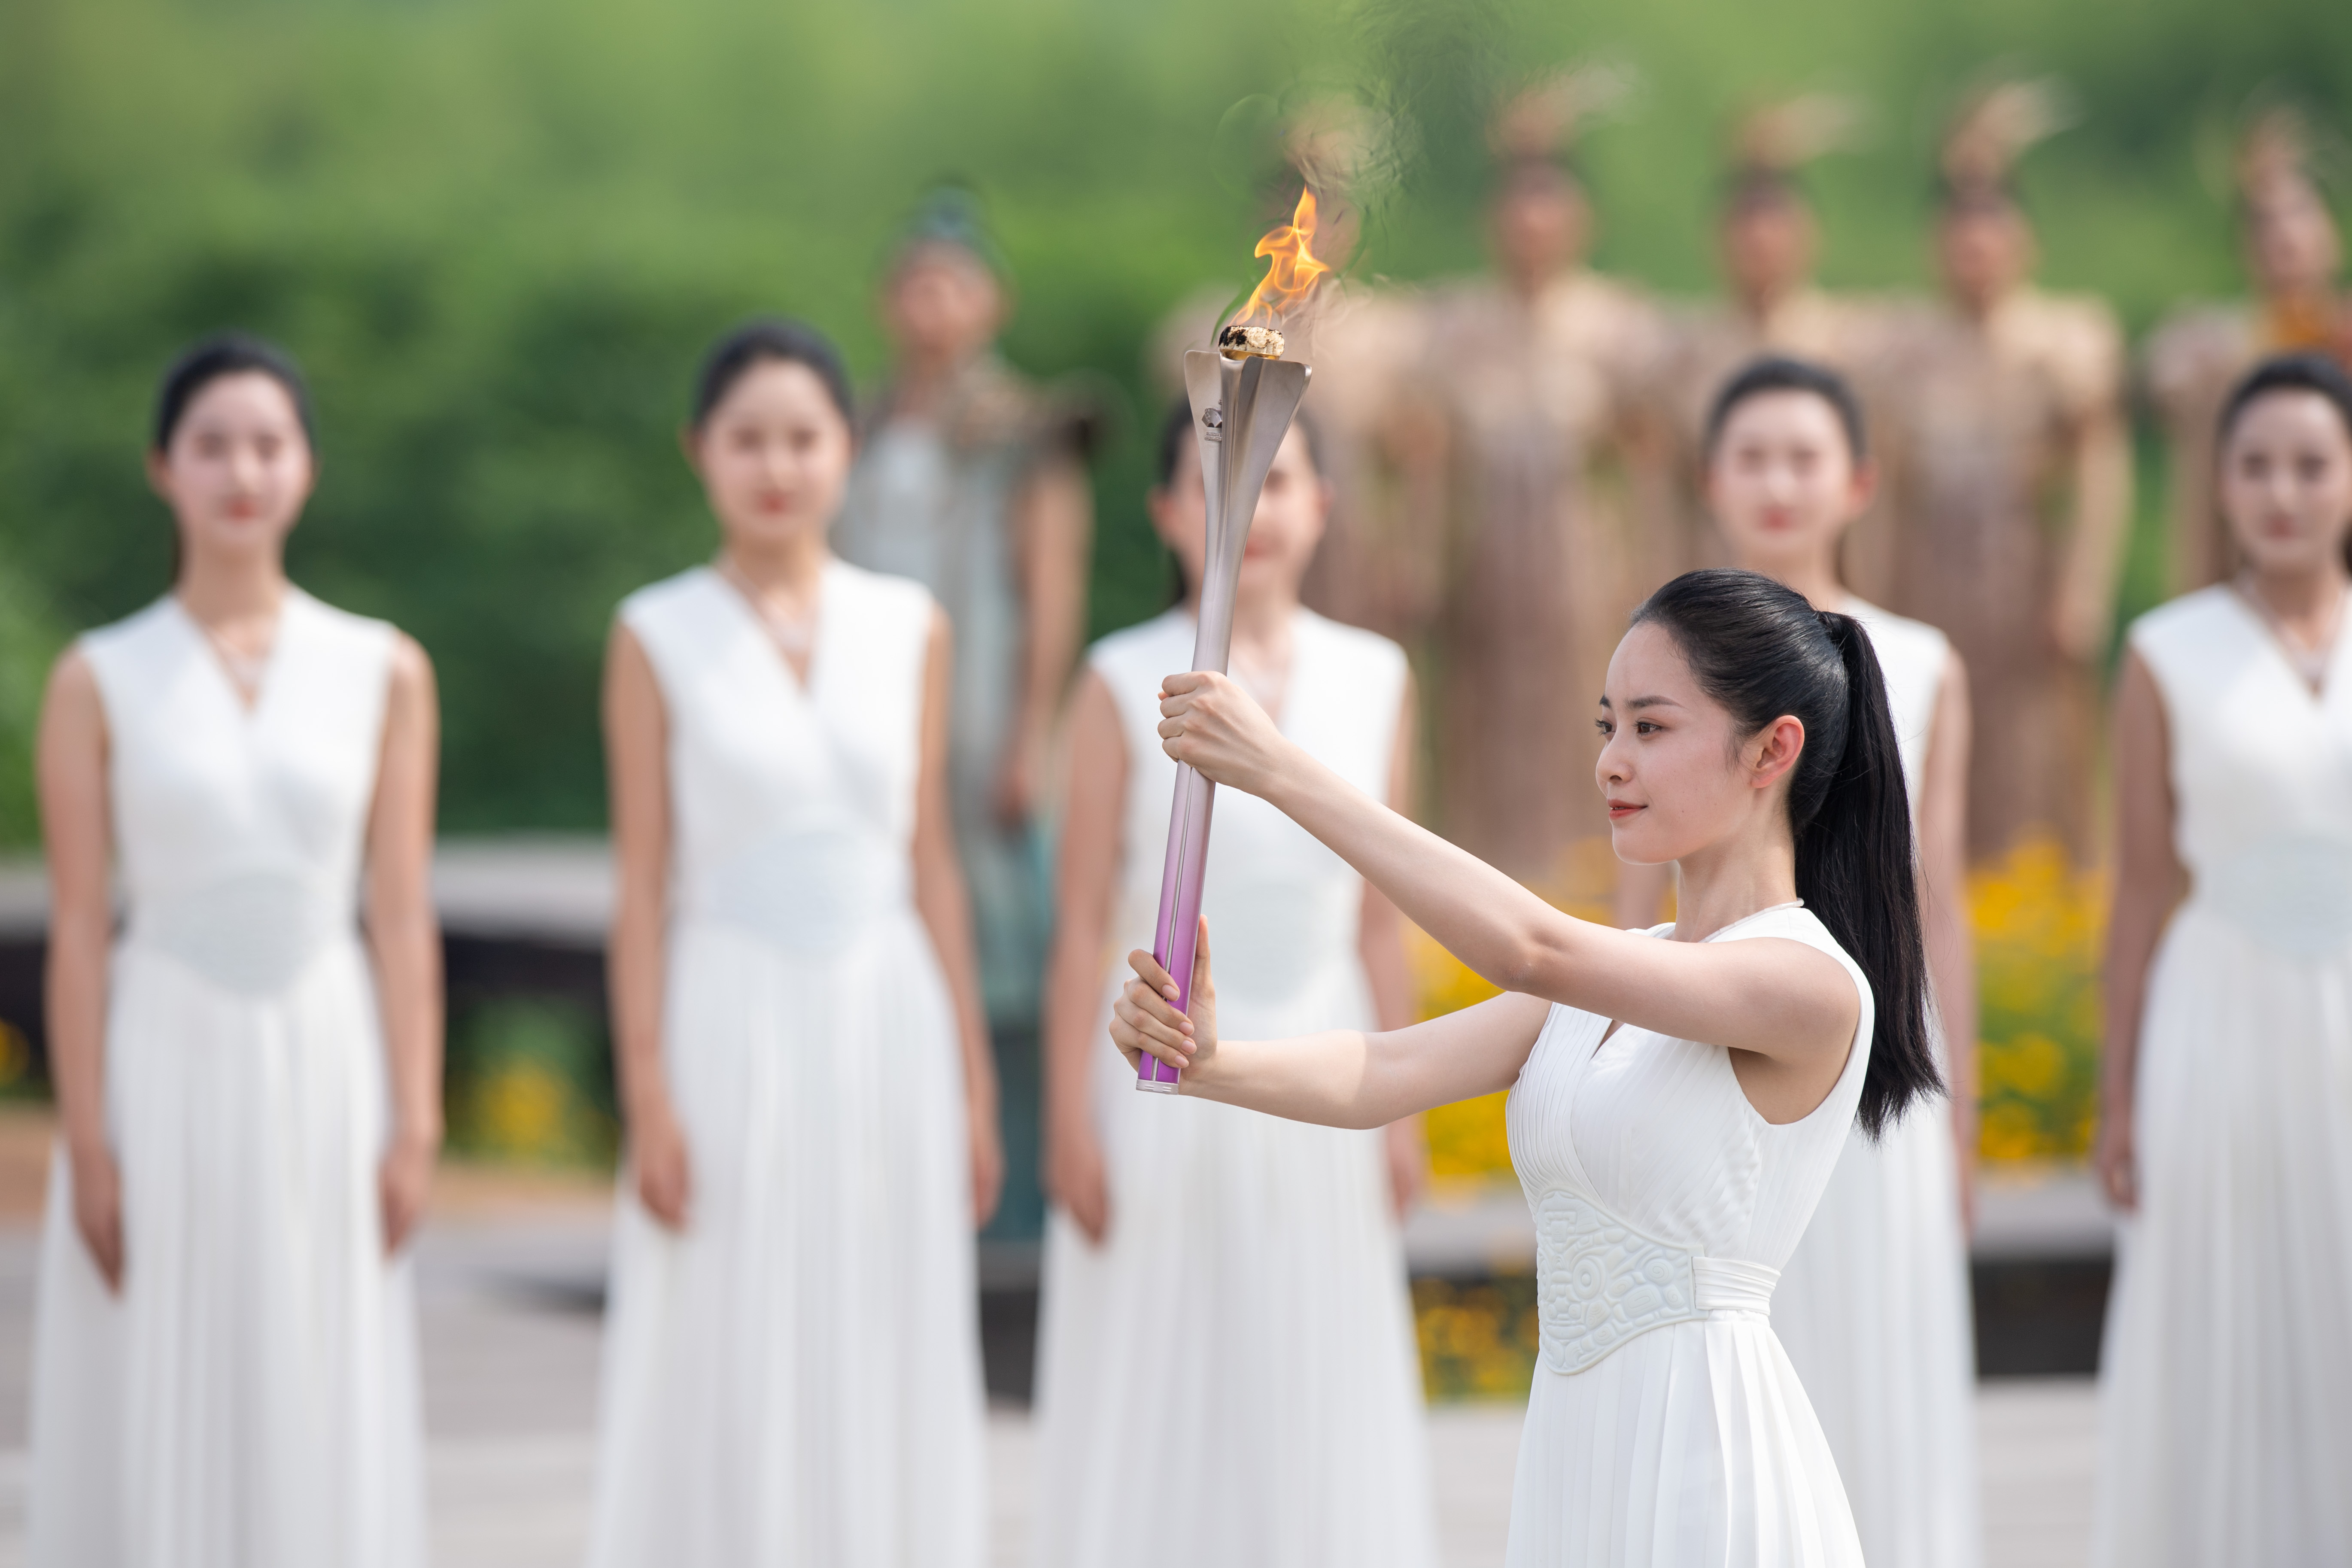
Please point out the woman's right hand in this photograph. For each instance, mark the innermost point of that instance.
(2117, 1159)
(97, 1212)
(658, 1154)
(1145, 1019)
(1076, 1178)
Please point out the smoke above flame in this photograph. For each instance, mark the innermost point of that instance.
(1291, 271)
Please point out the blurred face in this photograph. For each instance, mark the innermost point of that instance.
(942, 305)
(1678, 777)
(239, 467)
(1768, 249)
(2287, 483)
(772, 455)
(1541, 224)
(1283, 535)
(2292, 245)
(1986, 251)
(1784, 484)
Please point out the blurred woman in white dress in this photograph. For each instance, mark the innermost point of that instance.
(248, 1077)
(1872, 1306)
(2226, 1120)
(791, 1369)
(1290, 1409)
(1679, 1098)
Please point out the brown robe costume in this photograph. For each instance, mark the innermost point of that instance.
(1540, 562)
(2007, 479)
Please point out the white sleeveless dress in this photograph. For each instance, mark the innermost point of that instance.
(2226, 1376)
(794, 1380)
(251, 1399)
(1666, 1425)
(1283, 1421)
(1872, 1306)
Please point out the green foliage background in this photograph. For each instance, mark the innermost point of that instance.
(498, 233)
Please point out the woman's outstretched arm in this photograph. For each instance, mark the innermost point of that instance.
(1344, 1078)
(1778, 999)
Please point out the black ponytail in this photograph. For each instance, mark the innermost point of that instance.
(1760, 649)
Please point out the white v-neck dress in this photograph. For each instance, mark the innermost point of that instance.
(1872, 1306)
(794, 1381)
(1244, 1333)
(250, 1400)
(1666, 1425)
(2226, 1374)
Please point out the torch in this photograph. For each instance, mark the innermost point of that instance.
(1244, 397)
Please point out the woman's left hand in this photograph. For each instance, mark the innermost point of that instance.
(987, 1164)
(1212, 724)
(404, 1181)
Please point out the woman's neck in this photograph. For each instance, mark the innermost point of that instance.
(1729, 881)
(2307, 603)
(218, 593)
(787, 568)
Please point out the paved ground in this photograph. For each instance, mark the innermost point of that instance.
(506, 1290)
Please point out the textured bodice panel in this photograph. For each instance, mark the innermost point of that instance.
(1284, 911)
(793, 805)
(241, 832)
(2262, 771)
(1642, 1157)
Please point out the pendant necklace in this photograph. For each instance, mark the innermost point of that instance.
(245, 670)
(2309, 661)
(796, 635)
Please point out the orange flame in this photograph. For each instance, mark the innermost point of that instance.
(1291, 270)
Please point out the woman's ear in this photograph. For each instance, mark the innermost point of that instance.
(159, 474)
(1863, 490)
(689, 441)
(1774, 750)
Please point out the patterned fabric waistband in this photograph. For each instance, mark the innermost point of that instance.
(1600, 1282)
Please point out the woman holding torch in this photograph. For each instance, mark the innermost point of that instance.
(1679, 1098)
(1293, 1405)
(791, 1367)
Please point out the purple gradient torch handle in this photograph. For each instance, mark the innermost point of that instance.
(1242, 408)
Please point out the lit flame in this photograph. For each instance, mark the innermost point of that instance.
(1291, 270)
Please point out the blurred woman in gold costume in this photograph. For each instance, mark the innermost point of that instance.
(1768, 236)
(2009, 482)
(1534, 373)
(2294, 253)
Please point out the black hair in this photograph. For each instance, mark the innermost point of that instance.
(1763, 651)
(1176, 427)
(223, 355)
(771, 338)
(2312, 373)
(1780, 373)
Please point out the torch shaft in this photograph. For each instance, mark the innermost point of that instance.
(1235, 456)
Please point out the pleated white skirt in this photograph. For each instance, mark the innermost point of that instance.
(1233, 1377)
(2226, 1376)
(1688, 1444)
(794, 1381)
(251, 1398)
(1873, 1310)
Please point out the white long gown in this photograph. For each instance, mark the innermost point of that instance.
(1666, 1425)
(1232, 1377)
(2226, 1376)
(1872, 1306)
(794, 1380)
(251, 1399)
